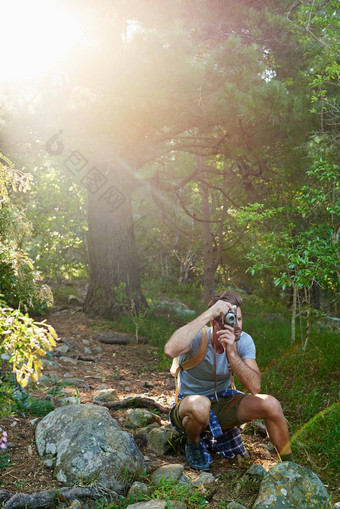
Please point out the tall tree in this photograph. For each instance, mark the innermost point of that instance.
(155, 75)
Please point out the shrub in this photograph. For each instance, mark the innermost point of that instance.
(26, 341)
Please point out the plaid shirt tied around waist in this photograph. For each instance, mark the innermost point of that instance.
(227, 443)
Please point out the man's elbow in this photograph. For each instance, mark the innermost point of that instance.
(169, 351)
(256, 388)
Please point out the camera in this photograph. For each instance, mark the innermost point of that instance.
(230, 318)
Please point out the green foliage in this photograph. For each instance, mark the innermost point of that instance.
(172, 490)
(39, 408)
(11, 179)
(164, 490)
(26, 341)
(57, 212)
(127, 303)
(20, 284)
(316, 441)
(316, 379)
(13, 399)
(299, 246)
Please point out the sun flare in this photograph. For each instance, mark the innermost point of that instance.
(35, 37)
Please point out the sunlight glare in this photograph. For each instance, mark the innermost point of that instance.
(35, 37)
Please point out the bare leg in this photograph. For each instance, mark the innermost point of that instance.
(262, 406)
(194, 412)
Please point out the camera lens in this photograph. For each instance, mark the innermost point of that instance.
(229, 318)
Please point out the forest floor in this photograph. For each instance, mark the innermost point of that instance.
(131, 370)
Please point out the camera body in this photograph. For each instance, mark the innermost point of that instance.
(230, 318)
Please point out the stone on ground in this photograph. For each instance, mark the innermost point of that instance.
(288, 486)
(84, 444)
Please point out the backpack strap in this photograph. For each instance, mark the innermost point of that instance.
(195, 359)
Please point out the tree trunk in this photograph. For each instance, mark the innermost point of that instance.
(112, 253)
(208, 254)
(316, 295)
(293, 320)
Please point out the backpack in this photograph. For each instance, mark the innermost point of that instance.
(193, 361)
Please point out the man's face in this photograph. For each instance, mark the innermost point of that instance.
(238, 326)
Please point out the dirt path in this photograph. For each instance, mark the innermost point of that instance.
(129, 369)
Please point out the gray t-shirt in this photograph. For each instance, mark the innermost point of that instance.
(201, 379)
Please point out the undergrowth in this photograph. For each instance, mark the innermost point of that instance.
(165, 489)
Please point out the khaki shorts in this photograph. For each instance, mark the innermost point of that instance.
(225, 409)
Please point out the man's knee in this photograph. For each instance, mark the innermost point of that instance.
(272, 407)
(195, 407)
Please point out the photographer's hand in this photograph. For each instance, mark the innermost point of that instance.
(219, 309)
(226, 337)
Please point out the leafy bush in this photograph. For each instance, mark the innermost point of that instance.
(13, 399)
(26, 341)
(20, 284)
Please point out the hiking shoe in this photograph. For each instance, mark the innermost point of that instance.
(195, 457)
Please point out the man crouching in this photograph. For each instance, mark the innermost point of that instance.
(206, 398)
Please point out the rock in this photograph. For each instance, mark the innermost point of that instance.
(235, 505)
(70, 400)
(76, 504)
(288, 486)
(184, 480)
(167, 472)
(150, 504)
(113, 339)
(105, 395)
(43, 380)
(67, 342)
(69, 360)
(49, 364)
(265, 450)
(76, 382)
(147, 385)
(141, 435)
(259, 427)
(159, 440)
(140, 417)
(205, 479)
(158, 504)
(173, 306)
(84, 444)
(62, 348)
(256, 470)
(137, 489)
(87, 351)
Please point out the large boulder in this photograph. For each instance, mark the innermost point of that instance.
(83, 443)
(288, 486)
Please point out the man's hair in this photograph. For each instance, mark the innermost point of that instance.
(229, 296)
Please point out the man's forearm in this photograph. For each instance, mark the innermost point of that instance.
(249, 378)
(181, 339)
